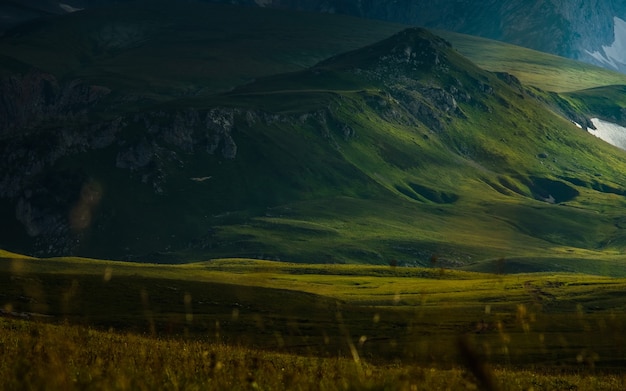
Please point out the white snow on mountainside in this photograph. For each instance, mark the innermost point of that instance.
(611, 133)
(616, 53)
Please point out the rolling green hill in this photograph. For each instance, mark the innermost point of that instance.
(260, 139)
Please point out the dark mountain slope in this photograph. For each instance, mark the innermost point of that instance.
(578, 29)
(157, 50)
(401, 150)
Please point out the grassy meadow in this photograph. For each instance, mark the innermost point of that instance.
(73, 323)
(478, 248)
(51, 357)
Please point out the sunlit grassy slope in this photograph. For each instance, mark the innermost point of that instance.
(474, 192)
(534, 68)
(603, 102)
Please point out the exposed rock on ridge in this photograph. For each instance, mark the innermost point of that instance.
(30, 99)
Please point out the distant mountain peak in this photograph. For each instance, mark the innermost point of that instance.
(412, 49)
(415, 46)
(613, 56)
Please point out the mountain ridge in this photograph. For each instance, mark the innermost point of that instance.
(573, 29)
(579, 29)
(382, 153)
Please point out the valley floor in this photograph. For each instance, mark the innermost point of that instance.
(248, 324)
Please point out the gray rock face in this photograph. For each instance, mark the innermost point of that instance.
(28, 100)
(27, 155)
(136, 156)
(219, 124)
(43, 121)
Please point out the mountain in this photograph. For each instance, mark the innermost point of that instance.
(14, 13)
(362, 150)
(590, 31)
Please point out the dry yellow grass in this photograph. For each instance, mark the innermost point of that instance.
(63, 357)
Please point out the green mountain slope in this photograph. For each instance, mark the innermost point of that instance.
(605, 102)
(546, 71)
(480, 162)
(402, 151)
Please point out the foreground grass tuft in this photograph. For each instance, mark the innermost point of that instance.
(65, 357)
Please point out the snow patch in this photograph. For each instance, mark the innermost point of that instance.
(611, 133)
(69, 8)
(616, 53)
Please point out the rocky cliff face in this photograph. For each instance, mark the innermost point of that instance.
(28, 100)
(43, 121)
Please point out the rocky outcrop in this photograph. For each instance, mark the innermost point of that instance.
(43, 120)
(441, 99)
(28, 153)
(28, 100)
(405, 64)
(137, 156)
(44, 208)
(219, 125)
(402, 58)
